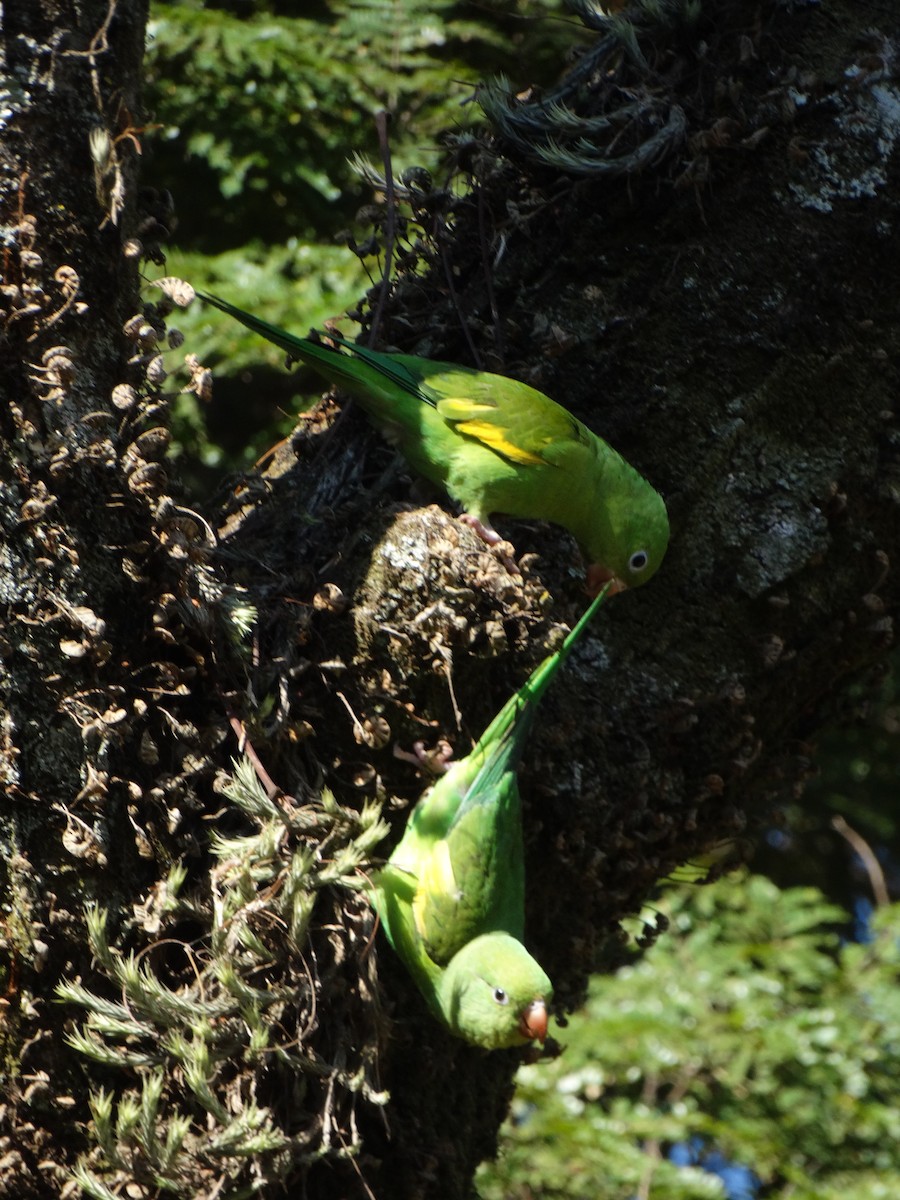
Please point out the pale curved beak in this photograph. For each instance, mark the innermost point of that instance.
(533, 1021)
(599, 576)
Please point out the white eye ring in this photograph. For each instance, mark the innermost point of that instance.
(500, 996)
(638, 560)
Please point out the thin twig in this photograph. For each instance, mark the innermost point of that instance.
(464, 325)
(358, 730)
(245, 746)
(381, 124)
(447, 656)
(869, 861)
(488, 275)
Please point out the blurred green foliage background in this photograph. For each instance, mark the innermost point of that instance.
(755, 1049)
(751, 1037)
(259, 114)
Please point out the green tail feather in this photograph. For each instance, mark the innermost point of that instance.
(354, 369)
(502, 741)
(298, 347)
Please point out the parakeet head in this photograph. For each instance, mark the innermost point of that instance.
(629, 549)
(494, 994)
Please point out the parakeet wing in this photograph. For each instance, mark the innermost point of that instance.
(514, 420)
(473, 881)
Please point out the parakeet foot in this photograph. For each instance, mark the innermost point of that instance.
(435, 761)
(505, 551)
(484, 529)
(492, 538)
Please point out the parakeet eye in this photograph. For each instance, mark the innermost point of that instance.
(500, 996)
(638, 560)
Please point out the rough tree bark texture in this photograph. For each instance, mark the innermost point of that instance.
(70, 613)
(735, 336)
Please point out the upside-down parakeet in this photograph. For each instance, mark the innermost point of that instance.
(498, 445)
(452, 895)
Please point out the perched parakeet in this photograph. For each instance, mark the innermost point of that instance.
(452, 894)
(497, 445)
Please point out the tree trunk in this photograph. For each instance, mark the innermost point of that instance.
(735, 336)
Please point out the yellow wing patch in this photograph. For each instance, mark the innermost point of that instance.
(465, 414)
(460, 408)
(436, 879)
(496, 438)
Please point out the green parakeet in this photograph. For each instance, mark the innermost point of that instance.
(498, 445)
(452, 895)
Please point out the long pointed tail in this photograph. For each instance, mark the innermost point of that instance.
(522, 705)
(298, 347)
(363, 373)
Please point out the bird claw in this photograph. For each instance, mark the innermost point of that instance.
(435, 761)
(489, 535)
(484, 529)
(505, 551)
